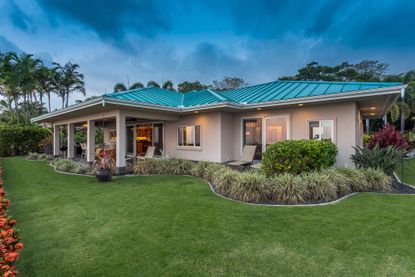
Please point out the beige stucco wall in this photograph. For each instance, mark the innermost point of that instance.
(210, 128)
(345, 125)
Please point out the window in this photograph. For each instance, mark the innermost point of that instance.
(188, 136)
(276, 129)
(252, 135)
(321, 130)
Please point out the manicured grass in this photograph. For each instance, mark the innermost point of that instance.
(408, 171)
(152, 226)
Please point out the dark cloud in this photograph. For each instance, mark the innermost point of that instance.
(111, 19)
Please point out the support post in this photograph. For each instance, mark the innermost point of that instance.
(56, 146)
(90, 141)
(71, 141)
(121, 142)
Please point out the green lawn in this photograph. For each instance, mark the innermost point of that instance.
(408, 171)
(152, 226)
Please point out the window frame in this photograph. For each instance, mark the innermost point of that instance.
(263, 127)
(333, 129)
(189, 147)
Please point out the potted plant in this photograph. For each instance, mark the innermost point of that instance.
(104, 165)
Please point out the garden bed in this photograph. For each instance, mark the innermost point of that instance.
(252, 186)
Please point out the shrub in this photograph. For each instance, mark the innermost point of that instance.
(250, 187)
(71, 166)
(377, 180)
(20, 140)
(388, 136)
(287, 189)
(162, 166)
(381, 158)
(319, 186)
(9, 239)
(32, 156)
(356, 179)
(296, 156)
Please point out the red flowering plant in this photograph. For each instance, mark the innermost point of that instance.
(9, 237)
(104, 161)
(388, 136)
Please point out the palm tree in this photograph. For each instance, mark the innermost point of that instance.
(9, 79)
(168, 85)
(153, 84)
(27, 67)
(120, 87)
(45, 83)
(136, 85)
(67, 80)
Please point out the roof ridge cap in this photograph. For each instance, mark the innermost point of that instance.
(217, 95)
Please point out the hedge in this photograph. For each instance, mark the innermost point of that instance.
(297, 156)
(20, 140)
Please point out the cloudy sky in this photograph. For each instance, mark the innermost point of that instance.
(258, 40)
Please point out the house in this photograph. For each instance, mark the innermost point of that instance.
(207, 125)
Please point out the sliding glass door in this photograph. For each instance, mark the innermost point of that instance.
(252, 135)
(264, 131)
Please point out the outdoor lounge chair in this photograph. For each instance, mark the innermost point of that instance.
(247, 158)
(149, 154)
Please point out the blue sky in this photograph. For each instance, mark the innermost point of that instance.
(206, 40)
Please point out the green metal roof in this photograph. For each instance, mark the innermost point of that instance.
(273, 91)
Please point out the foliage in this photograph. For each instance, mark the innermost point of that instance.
(9, 236)
(388, 136)
(136, 85)
(152, 83)
(385, 159)
(229, 83)
(162, 166)
(37, 156)
(168, 85)
(190, 86)
(119, 87)
(365, 71)
(67, 80)
(296, 156)
(255, 187)
(20, 140)
(66, 165)
(104, 161)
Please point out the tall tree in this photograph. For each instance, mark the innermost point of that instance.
(228, 83)
(68, 80)
(27, 66)
(168, 85)
(120, 87)
(44, 77)
(136, 85)
(153, 84)
(10, 81)
(187, 86)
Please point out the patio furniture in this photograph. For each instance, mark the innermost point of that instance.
(84, 150)
(247, 158)
(149, 154)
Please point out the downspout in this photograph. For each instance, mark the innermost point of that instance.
(402, 129)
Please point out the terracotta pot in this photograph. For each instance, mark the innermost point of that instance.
(103, 175)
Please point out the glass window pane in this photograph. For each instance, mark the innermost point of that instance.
(327, 128)
(276, 130)
(314, 130)
(188, 136)
(197, 135)
(180, 136)
(252, 135)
